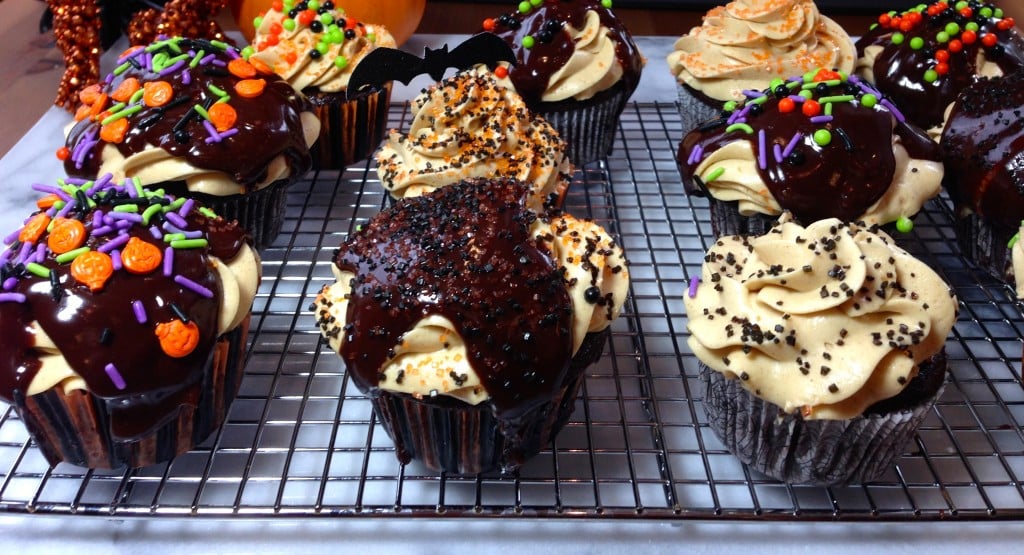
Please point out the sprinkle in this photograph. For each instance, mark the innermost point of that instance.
(149, 212)
(797, 98)
(10, 282)
(189, 243)
(211, 130)
(174, 236)
(139, 311)
(694, 281)
(176, 220)
(904, 224)
(762, 150)
(12, 297)
(821, 119)
(823, 137)
(114, 243)
(55, 289)
(750, 93)
(847, 143)
(186, 77)
(168, 261)
(37, 270)
(127, 217)
(186, 207)
(777, 151)
(195, 287)
(896, 113)
(740, 127)
(197, 58)
(114, 375)
(126, 207)
(207, 212)
(66, 257)
(115, 260)
(224, 135)
(105, 336)
(1010, 245)
(179, 313)
(100, 231)
(40, 253)
(172, 68)
(694, 155)
(13, 236)
(797, 137)
(714, 174)
(840, 98)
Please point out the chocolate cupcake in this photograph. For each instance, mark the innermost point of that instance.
(316, 46)
(123, 318)
(469, 320)
(576, 65)
(923, 57)
(745, 44)
(823, 145)
(821, 348)
(468, 126)
(983, 145)
(192, 117)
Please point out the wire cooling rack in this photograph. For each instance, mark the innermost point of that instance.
(300, 441)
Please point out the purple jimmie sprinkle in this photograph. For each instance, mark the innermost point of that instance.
(115, 260)
(231, 53)
(114, 243)
(40, 253)
(168, 261)
(102, 230)
(750, 93)
(762, 150)
(177, 220)
(5, 256)
(114, 376)
(694, 282)
(77, 181)
(126, 216)
(211, 130)
(50, 189)
(186, 77)
(172, 68)
(139, 311)
(207, 59)
(892, 108)
(792, 144)
(155, 232)
(103, 181)
(67, 208)
(821, 119)
(186, 207)
(195, 287)
(777, 151)
(797, 98)
(219, 63)
(26, 249)
(10, 282)
(12, 237)
(12, 297)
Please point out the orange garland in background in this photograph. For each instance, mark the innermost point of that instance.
(184, 18)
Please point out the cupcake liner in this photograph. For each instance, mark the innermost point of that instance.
(813, 452)
(350, 129)
(694, 111)
(588, 130)
(448, 435)
(260, 213)
(726, 219)
(985, 245)
(75, 427)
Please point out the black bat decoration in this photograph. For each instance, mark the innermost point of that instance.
(390, 64)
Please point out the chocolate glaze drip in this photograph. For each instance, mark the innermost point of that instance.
(268, 125)
(76, 320)
(839, 180)
(463, 252)
(983, 144)
(535, 66)
(899, 69)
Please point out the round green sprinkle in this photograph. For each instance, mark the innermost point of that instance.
(607, 4)
(336, 36)
(59, 204)
(37, 269)
(775, 83)
(868, 100)
(66, 257)
(536, 3)
(248, 51)
(952, 28)
(189, 243)
(313, 5)
(942, 36)
(809, 76)
(528, 41)
(257, 21)
(288, 24)
(326, 18)
(930, 76)
(822, 137)
(904, 224)
(986, 12)
(998, 13)
(714, 174)
(972, 26)
(897, 38)
(340, 62)
(960, 5)
(730, 106)
(524, 7)
(322, 47)
(288, 5)
(917, 43)
(740, 127)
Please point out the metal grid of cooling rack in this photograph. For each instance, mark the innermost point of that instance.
(300, 441)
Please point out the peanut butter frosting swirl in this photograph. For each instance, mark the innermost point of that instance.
(1017, 261)
(827, 319)
(747, 42)
(469, 126)
(316, 56)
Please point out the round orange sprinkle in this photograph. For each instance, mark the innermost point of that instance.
(241, 68)
(223, 116)
(261, 66)
(489, 24)
(811, 108)
(250, 88)
(826, 75)
(34, 229)
(47, 201)
(786, 105)
(177, 338)
(89, 94)
(124, 91)
(141, 257)
(291, 57)
(92, 268)
(157, 93)
(501, 72)
(114, 131)
(67, 234)
(272, 40)
(63, 153)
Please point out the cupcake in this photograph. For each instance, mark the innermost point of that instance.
(468, 126)
(469, 320)
(744, 45)
(923, 57)
(192, 117)
(823, 145)
(316, 47)
(821, 348)
(983, 145)
(576, 65)
(123, 320)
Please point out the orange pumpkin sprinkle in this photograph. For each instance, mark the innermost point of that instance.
(261, 66)
(67, 234)
(241, 68)
(177, 338)
(157, 93)
(90, 94)
(92, 268)
(114, 131)
(250, 88)
(124, 91)
(47, 201)
(34, 229)
(141, 257)
(223, 116)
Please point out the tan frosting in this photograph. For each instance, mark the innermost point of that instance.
(239, 279)
(746, 43)
(432, 352)
(303, 71)
(1017, 257)
(593, 66)
(914, 182)
(806, 331)
(469, 126)
(866, 69)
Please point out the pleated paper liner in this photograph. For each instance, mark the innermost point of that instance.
(588, 127)
(260, 213)
(350, 129)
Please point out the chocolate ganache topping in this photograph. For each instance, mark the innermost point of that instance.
(923, 57)
(199, 101)
(983, 144)
(543, 47)
(463, 252)
(823, 144)
(116, 282)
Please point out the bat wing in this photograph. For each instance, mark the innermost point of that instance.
(383, 65)
(481, 48)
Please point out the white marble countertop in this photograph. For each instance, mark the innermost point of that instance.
(32, 160)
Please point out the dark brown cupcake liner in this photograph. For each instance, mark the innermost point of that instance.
(694, 110)
(350, 129)
(588, 127)
(986, 246)
(811, 452)
(260, 213)
(75, 427)
(726, 219)
(447, 435)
